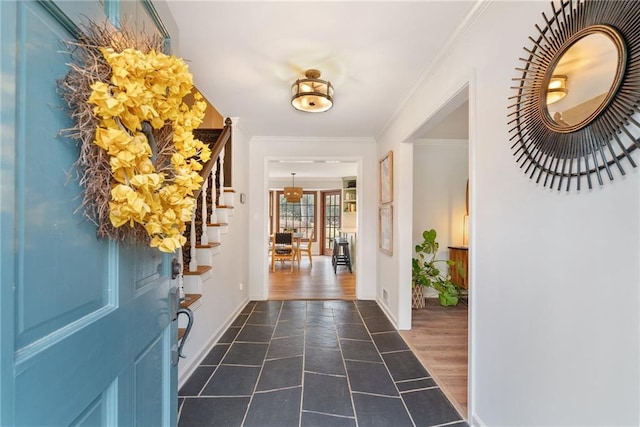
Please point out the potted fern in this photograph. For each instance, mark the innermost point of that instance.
(425, 272)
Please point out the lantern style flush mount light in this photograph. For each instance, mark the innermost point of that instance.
(557, 88)
(292, 194)
(311, 94)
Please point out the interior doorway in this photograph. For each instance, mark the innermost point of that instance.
(316, 278)
(440, 201)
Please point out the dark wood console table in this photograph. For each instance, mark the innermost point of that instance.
(460, 254)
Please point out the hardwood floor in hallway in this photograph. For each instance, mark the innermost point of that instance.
(317, 282)
(439, 338)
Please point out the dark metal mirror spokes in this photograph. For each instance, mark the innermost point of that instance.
(575, 111)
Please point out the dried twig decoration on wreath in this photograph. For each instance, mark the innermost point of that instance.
(139, 162)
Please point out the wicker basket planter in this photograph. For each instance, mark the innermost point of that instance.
(417, 297)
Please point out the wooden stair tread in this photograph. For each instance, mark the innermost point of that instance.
(224, 207)
(207, 246)
(229, 190)
(189, 299)
(201, 270)
(217, 224)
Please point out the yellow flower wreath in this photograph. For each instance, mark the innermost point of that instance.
(149, 87)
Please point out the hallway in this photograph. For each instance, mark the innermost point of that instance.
(313, 363)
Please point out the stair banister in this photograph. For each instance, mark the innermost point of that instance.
(204, 238)
(193, 264)
(207, 169)
(224, 137)
(221, 201)
(214, 218)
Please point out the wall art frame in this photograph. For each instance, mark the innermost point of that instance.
(559, 154)
(385, 233)
(386, 178)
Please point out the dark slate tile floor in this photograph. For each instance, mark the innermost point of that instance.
(313, 363)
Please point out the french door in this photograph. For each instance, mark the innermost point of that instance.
(331, 219)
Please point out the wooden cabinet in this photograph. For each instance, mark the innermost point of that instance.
(460, 254)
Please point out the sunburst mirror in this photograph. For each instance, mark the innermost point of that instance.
(574, 116)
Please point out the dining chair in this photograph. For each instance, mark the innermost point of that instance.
(305, 246)
(282, 249)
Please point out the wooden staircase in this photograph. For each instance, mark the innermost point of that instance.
(204, 242)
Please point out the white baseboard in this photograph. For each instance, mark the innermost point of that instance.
(390, 316)
(206, 348)
(475, 421)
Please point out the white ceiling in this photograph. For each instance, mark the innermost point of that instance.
(245, 55)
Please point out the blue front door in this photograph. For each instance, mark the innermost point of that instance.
(86, 326)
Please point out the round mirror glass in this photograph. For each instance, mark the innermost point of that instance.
(583, 80)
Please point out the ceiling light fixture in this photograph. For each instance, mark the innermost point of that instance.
(293, 194)
(557, 88)
(311, 94)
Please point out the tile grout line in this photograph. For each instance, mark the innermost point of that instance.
(435, 387)
(246, 413)
(329, 415)
(353, 403)
(224, 355)
(344, 364)
(404, 404)
(304, 360)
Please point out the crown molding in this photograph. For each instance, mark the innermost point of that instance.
(445, 50)
(312, 140)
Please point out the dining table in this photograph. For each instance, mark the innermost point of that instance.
(297, 238)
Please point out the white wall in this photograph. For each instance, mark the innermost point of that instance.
(441, 170)
(264, 149)
(555, 334)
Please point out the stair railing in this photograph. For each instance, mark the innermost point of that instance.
(204, 238)
(209, 168)
(214, 218)
(221, 188)
(193, 263)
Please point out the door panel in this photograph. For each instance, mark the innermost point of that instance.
(331, 220)
(85, 327)
(149, 399)
(45, 237)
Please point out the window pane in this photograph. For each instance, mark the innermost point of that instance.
(297, 217)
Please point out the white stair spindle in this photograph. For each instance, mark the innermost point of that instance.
(221, 199)
(204, 238)
(193, 264)
(180, 276)
(214, 217)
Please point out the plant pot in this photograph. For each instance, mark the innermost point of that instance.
(417, 296)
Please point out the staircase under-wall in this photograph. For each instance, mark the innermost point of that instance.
(214, 207)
